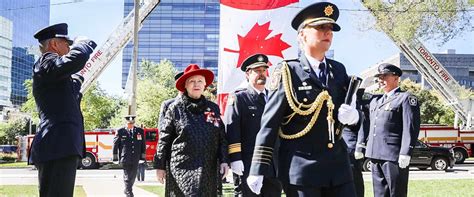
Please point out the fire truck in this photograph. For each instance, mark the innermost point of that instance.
(99, 145)
(460, 137)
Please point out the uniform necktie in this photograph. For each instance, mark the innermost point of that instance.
(322, 73)
(261, 97)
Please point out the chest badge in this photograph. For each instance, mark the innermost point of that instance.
(305, 86)
(139, 136)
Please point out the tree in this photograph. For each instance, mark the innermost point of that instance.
(438, 20)
(30, 106)
(9, 131)
(98, 108)
(433, 110)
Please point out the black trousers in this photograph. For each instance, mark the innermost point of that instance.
(141, 172)
(271, 187)
(129, 175)
(344, 190)
(388, 179)
(356, 166)
(57, 177)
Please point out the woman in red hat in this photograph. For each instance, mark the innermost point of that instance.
(192, 139)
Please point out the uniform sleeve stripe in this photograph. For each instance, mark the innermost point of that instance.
(262, 162)
(234, 145)
(262, 152)
(234, 150)
(264, 147)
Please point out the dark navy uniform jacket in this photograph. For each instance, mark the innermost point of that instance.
(242, 123)
(394, 126)
(129, 146)
(61, 128)
(305, 161)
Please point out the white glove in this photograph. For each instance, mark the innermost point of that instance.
(224, 169)
(358, 155)
(403, 161)
(255, 183)
(348, 115)
(237, 167)
(161, 176)
(86, 40)
(141, 161)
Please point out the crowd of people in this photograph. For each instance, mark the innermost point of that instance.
(281, 135)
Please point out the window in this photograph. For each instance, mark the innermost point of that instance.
(151, 136)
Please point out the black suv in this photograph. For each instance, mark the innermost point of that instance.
(424, 156)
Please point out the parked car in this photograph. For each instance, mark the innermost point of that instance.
(8, 148)
(425, 156)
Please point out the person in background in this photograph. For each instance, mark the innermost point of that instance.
(192, 139)
(242, 121)
(129, 149)
(59, 143)
(394, 125)
(141, 170)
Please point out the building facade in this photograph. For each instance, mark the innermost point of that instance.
(460, 66)
(27, 17)
(182, 31)
(6, 34)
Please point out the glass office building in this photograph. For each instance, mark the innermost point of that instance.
(6, 33)
(182, 31)
(27, 16)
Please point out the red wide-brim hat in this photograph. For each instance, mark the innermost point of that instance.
(192, 70)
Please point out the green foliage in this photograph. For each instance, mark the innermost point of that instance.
(11, 129)
(438, 20)
(433, 109)
(98, 108)
(31, 190)
(155, 84)
(30, 106)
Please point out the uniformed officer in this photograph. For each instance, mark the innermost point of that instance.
(304, 108)
(59, 142)
(350, 137)
(394, 128)
(242, 122)
(129, 148)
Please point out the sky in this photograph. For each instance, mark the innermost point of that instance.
(356, 49)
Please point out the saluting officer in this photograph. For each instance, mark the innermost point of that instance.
(394, 128)
(242, 122)
(303, 110)
(59, 143)
(129, 148)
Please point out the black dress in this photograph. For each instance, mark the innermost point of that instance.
(192, 143)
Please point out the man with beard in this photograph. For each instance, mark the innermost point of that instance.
(394, 126)
(242, 121)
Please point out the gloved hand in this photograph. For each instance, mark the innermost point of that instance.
(160, 176)
(224, 169)
(358, 155)
(78, 77)
(403, 161)
(255, 183)
(237, 167)
(82, 39)
(348, 115)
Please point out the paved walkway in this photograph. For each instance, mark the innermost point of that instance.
(104, 188)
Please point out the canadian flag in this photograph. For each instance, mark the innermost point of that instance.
(248, 27)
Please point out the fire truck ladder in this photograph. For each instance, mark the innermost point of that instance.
(102, 57)
(439, 78)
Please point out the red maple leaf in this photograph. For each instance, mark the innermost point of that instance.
(256, 42)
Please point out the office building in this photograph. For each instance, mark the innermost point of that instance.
(184, 32)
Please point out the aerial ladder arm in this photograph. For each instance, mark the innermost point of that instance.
(117, 40)
(439, 78)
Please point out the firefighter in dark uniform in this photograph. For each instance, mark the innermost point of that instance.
(129, 148)
(242, 122)
(304, 108)
(394, 128)
(59, 143)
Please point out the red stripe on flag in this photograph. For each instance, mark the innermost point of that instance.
(257, 5)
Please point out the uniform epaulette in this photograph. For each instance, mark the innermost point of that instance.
(262, 154)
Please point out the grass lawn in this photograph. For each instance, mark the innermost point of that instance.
(418, 188)
(14, 165)
(31, 190)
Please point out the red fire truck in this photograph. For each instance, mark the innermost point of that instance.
(99, 145)
(462, 142)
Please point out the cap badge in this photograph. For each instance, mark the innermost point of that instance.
(328, 10)
(260, 58)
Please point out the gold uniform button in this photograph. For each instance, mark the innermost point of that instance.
(304, 84)
(330, 145)
(305, 100)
